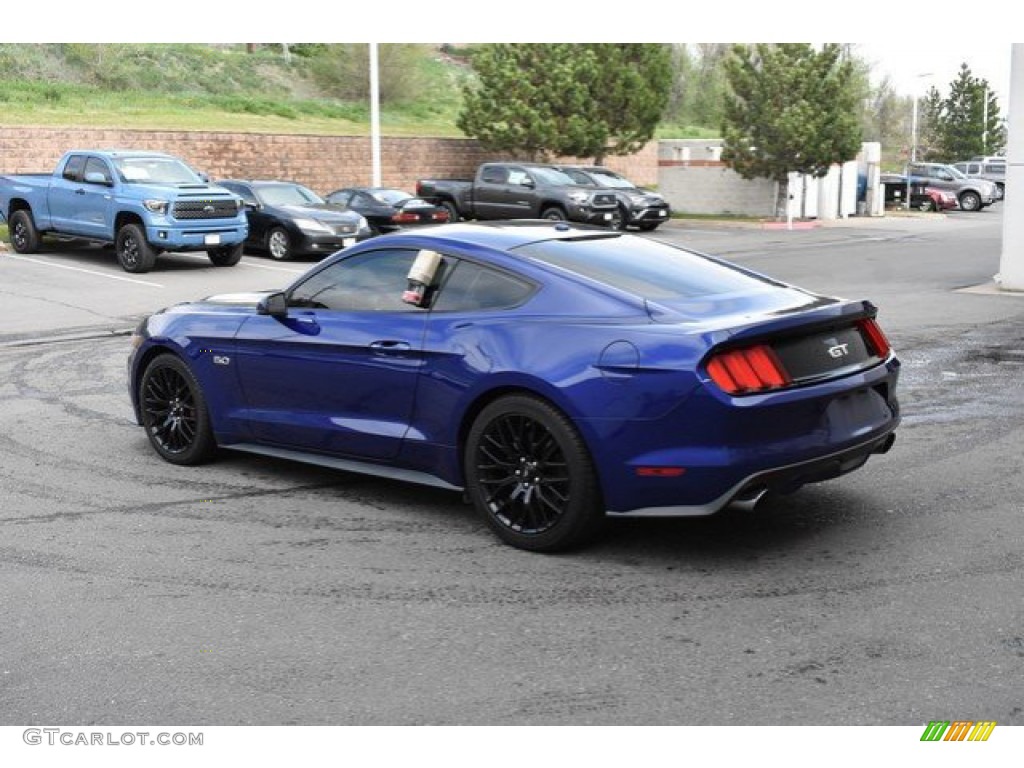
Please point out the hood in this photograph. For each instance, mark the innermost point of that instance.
(325, 213)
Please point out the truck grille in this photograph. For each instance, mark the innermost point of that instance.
(604, 200)
(205, 209)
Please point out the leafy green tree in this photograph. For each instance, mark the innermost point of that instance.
(585, 100)
(791, 110)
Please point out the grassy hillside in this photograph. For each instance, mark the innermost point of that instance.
(225, 88)
(316, 89)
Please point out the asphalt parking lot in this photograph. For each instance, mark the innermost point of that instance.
(251, 591)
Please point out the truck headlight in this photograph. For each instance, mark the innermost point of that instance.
(156, 206)
(579, 197)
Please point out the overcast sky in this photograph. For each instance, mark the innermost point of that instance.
(903, 64)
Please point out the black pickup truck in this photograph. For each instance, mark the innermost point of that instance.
(521, 191)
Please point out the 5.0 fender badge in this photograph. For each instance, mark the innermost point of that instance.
(221, 360)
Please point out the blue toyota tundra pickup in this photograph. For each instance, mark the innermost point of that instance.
(144, 203)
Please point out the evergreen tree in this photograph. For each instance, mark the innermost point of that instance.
(585, 100)
(792, 109)
(969, 122)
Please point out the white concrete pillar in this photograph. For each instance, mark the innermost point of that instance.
(1011, 264)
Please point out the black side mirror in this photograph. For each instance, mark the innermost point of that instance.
(275, 305)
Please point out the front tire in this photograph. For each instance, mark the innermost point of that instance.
(174, 412)
(134, 253)
(970, 201)
(927, 206)
(530, 475)
(553, 214)
(226, 256)
(279, 244)
(619, 220)
(24, 236)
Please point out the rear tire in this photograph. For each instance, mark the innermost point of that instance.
(134, 253)
(530, 475)
(24, 236)
(226, 256)
(453, 212)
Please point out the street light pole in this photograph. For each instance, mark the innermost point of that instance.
(374, 117)
(913, 136)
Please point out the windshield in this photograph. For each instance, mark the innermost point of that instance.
(612, 180)
(287, 194)
(390, 196)
(155, 170)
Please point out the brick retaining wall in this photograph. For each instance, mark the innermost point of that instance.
(323, 163)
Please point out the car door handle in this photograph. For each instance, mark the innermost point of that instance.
(388, 345)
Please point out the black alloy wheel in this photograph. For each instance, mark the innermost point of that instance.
(927, 205)
(226, 255)
(529, 474)
(174, 412)
(453, 212)
(24, 235)
(134, 253)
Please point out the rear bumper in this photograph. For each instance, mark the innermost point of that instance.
(713, 449)
(748, 491)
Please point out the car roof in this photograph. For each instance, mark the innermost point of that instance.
(121, 153)
(506, 235)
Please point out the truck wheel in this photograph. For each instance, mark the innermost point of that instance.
(453, 212)
(970, 201)
(134, 253)
(279, 245)
(225, 256)
(553, 214)
(24, 235)
(619, 220)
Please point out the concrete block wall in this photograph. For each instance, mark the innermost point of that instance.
(323, 163)
(714, 188)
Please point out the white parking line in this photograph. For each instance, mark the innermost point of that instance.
(247, 263)
(86, 271)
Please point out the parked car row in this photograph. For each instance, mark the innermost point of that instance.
(148, 203)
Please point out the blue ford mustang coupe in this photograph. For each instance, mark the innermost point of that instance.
(559, 375)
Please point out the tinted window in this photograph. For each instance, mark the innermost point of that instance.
(341, 197)
(494, 175)
(368, 282)
(95, 165)
(645, 268)
(73, 168)
(241, 190)
(286, 194)
(578, 176)
(473, 287)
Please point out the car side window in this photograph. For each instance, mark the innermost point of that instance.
(578, 176)
(368, 282)
(517, 176)
(74, 168)
(341, 198)
(494, 174)
(363, 200)
(474, 287)
(95, 165)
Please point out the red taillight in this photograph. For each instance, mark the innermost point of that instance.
(875, 338)
(405, 218)
(752, 369)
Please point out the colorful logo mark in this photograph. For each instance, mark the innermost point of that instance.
(958, 730)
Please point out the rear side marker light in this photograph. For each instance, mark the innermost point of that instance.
(752, 369)
(871, 331)
(660, 471)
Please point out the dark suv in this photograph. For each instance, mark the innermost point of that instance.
(638, 207)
